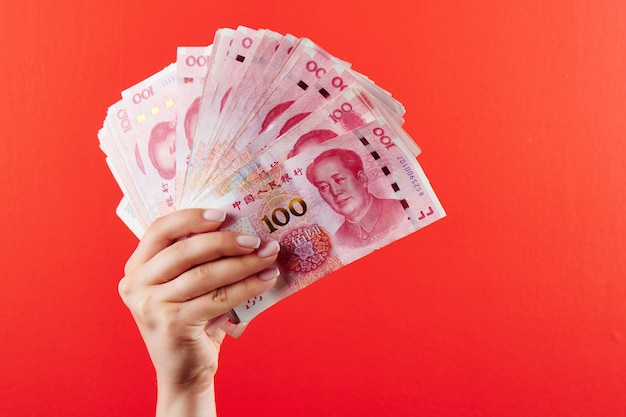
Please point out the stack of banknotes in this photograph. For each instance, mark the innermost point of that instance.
(290, 141)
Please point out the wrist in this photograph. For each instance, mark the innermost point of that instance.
(188, 401)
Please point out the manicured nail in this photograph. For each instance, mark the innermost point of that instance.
(268, 274)
(248, 241)
(214, 215)
(269, 248)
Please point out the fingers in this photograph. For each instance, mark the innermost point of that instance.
(184, 265)
(170, 228)
(202, 293)
(199, 249)
(223, 299)
(214, 274)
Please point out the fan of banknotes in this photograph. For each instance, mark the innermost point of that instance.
(294, 144)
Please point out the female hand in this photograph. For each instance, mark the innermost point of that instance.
(182, 275)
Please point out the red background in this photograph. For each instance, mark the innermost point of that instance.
(513, 305)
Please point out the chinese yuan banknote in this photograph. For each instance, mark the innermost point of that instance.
(291, 142)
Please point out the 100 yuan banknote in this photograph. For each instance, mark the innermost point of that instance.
(328, 206)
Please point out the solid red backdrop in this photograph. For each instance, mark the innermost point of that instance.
(513, 305)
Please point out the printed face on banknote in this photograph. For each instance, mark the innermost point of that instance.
(191, 118)
(310, 140)
(162, 149)
(341, 181)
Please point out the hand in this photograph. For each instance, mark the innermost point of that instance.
(182, 275)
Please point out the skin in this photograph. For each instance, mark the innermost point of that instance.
(343, 191)
(175, 284)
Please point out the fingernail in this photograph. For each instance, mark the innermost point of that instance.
(248, 241)
(268, 274)
(214, 215)
(269, 248)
